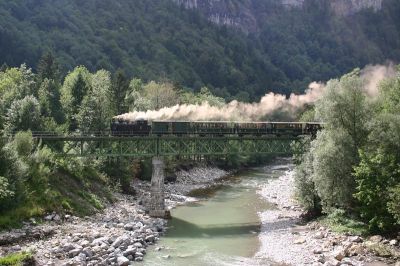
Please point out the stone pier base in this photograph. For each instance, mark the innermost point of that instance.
(156, 205)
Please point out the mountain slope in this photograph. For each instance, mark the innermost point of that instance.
(155, 39)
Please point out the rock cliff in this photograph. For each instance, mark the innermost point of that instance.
(243, 14)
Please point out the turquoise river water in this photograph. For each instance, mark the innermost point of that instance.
(221, 229)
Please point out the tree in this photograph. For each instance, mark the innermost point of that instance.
(13, 170)
(23, 115)
(15, 84)
(132, 98)
(120, 87)
(48, 68)
(378, 174)
(160, 94)
(76, 86)
(327, 168)
(333, 161)
(96, 111)
(49, 99)
(343, 107)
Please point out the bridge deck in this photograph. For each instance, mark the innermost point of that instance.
(150, 146)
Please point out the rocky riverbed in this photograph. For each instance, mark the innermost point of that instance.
(118, 235)
(286, 239)
(121, 233)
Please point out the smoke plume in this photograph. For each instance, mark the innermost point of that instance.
(373, 75)
(269, 104)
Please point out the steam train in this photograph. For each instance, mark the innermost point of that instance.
(124, 128)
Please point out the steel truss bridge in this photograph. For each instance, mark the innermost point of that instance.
(152, 146)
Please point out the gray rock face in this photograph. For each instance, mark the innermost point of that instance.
(244, 14)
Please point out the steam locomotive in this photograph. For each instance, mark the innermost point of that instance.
(124, 128)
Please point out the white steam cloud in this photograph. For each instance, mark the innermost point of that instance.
(268, 105)
(373, 75)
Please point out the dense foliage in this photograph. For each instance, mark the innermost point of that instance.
(33, 180)
(354, 163)
(152, 39)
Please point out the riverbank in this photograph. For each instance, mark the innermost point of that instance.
(122, 232)
(119, 234)
(286, 239)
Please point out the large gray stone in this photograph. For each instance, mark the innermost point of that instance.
(122, 261)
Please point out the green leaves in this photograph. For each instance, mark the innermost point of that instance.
(354, 163)
(23, 115)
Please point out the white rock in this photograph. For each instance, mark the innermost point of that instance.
(376, 238)
(339, 254)
(299, 240)
(355, 239)
(74, 252)
(319, 235)
(139, 254)
(118, 241)
(138, 245)
(122, 261)
(317, 251)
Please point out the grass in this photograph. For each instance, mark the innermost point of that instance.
(62, 194)
(338, 221)
(18, 259)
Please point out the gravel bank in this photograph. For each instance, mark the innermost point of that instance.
(118, 235)
(285, 239)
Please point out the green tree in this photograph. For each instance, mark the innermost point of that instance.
(120, 87)
(378, 174)
(13, 170)
(23, 115)
(15, 84)
(49, 99)
(48, 68)
(76, 86)
(96, 111)
(132, 97)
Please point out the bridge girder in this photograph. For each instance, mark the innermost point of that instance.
(170, 146)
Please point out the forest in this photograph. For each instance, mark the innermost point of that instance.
(351, 170)
(33, 181)
(156, 39)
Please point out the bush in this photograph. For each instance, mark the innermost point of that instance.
(394, 203)
(23, 115)
(376, 174)
(18, 259)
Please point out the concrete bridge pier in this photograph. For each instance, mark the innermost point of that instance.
(156, 206)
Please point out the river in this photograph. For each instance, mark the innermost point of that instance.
(220, 229)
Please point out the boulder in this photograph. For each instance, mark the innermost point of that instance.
(332, 262)
(129, 226)
(339, 254)
(378, 249)
(299, 240)
(138, 245)
(122, 261)
(139, 254)
(376, 238)
(74, 252)
(118, 241)
(355, 239)
(149, 238)
(319, 235)
(129, 251)
(68, 247)
(355, 249)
